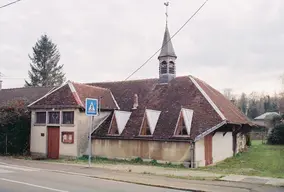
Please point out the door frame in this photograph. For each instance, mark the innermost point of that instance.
(47, 140)
(208, 149)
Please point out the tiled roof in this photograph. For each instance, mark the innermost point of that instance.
(231, 113)
(124, 91)
(27, 93)
(73, 95)
(86, 91)
(210, 106)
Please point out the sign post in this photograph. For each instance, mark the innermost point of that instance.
(91, 110)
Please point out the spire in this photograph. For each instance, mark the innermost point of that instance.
(167, 57)
(167, 47)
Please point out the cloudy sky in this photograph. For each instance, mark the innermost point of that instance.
(234, 44)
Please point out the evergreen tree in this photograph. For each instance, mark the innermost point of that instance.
(243, 103)
(45, 70)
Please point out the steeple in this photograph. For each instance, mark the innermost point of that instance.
(167, 46)
(167, 57)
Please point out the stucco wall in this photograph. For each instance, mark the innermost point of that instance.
(80, 129)
(38, 142)
(165, 151)
(222, 146)
(83, 124)
(200, 153)
(66, 149)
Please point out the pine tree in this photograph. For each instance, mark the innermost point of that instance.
(45, 70)
(243, 103)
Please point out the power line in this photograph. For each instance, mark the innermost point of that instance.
(8, 4)
(168, 40)
(3, 76)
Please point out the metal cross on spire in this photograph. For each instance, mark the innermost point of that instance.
(167, 4)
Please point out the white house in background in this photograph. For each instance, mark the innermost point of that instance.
(264, 120)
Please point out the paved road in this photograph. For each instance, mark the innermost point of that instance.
(18, 178)
(21, 175)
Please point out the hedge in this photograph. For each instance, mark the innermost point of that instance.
(14, 128)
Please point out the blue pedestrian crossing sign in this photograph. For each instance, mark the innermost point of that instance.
(91, 107)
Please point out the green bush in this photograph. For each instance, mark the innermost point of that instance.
(276, 136)
(14, 128)
(154, 162)
(137, 160)
(248, 140)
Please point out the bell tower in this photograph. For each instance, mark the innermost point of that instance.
(167, 57)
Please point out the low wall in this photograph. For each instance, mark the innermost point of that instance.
(158, 150)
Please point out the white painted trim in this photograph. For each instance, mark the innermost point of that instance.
(150, 114)
(121, 118)
(73, 90)
(100, 123)
(208, 98)
(48, 93)
(109, 128)
(187, 119)
(209, 131)
(177, 124)
(141, 126)
(32, 185)
(188, 127)
(114, 100)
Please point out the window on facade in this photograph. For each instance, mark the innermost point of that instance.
(163, 67)
(41, 117)
(181, 127)
(113, 130)
(172, 67)
(53, 117)
(145, 129)
(68, 117)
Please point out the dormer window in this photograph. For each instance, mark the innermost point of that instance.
(183, 127)
(149, 122)
(172, 67)
(163, 67)
(118, 122)
(145, 129)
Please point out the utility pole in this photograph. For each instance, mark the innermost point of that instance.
(282, 82)
(1, 74)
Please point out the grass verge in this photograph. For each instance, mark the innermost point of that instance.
(135, 161)
(260, 160)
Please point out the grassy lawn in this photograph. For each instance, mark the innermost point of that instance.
(260, 160)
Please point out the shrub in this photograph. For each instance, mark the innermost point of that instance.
(154, 162)
(248, 140)
(14, 128)
(137, 160)
(276, 136)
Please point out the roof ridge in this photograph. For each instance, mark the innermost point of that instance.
(207, 97)
(135, 80)
(29, 87)
(91, 86)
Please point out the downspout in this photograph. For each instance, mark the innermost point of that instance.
(192, 154)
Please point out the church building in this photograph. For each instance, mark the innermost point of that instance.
(178, 119)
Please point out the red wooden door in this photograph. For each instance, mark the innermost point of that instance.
(53, 142)
(208, 149)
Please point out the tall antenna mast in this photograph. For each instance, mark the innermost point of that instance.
(167, 4)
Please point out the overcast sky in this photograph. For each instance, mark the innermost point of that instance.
(236, 44)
